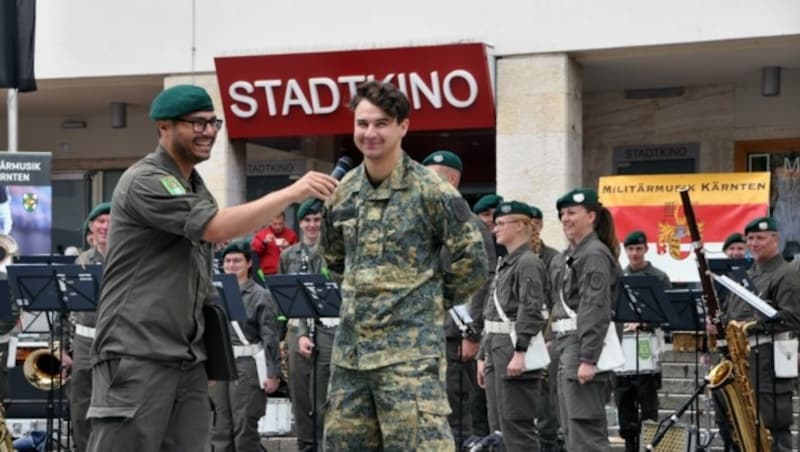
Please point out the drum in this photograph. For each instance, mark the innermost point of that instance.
(649, 350)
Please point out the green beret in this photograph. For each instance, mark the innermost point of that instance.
(237, 246)
(100, 209)
(536, 212)
(308, 208)
(513, 208)
(733, 238)
(444, 158)
(180, 100)
(578, 196)
(487, 202)
(635, 238)
(761, 224)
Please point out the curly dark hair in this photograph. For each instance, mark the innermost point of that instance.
(385, 96)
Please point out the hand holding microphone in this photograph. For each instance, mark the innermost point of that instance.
(343, 165)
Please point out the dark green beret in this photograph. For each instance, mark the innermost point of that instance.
(733, 238)
(578, 196)
(180, 100)
(635, 238)
(308, 208)
(237, 246)
(761, 224)
(487, 202)
(512, 208)
(444, 158)
(100, 209)
(536, 212)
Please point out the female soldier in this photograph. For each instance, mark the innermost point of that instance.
(582, 318)
(515, 306)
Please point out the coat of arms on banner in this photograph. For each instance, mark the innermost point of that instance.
(673, 232)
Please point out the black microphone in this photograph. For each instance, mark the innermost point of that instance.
(343, 165)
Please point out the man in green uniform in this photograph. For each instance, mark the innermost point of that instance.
(80, 392)
(384, 231)
(303, 257)
(149, 385)
(638, 390)
(463, 339)
(238, 405)
(778, 284)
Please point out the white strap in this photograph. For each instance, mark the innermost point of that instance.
(512, 327)
(572, 314)
(239, 333)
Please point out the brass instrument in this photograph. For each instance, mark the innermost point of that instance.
(730, 386)
(6, 442)
(8, 249)
(42, 368)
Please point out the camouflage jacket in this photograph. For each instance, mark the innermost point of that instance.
(386, 241)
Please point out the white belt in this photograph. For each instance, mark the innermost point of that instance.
(767, 338)
(85, 331)
(329, 322)
(565, 325)
(246, 350)
(295, 322)
(490, 326)
(4, 338)
(545, 314)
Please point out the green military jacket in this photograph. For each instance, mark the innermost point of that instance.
(261, 325)
(589, 286)
(777, 283)
(386, 241)
(520, 284)
(88, 257)
(158, 269)
(649, 270)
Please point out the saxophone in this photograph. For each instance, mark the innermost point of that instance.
(730, 386)
(6, 444)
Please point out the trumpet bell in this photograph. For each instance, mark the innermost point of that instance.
(42, 369)
(8, 248)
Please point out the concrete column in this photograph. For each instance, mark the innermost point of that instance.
(539, 130)
(224, 173)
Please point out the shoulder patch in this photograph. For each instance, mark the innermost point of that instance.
(596, 280)
(172, 185)
(459, 207)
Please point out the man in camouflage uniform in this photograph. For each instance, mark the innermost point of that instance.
(384, 230)
(303, 257)
(149, 382)
(642, 389)
(778, 284)
(238, 405)
(463, 339)
(80, 392)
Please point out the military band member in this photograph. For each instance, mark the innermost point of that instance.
(485, 208)
(303, 257)
(513, 392)
(238, 405)
(463, 340)
(384, 230)
(641, 390)
(582, 318)
(778, 284)
(149, 383)
(80, 390)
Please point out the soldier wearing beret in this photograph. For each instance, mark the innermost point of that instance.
(80, 392)
(463, 339)
(485, 208)
(581, 318)
(735, 246)
(149, 384)
(512, 391)
(384, 231)
(303, 257)
(635, 394)
(238, 405)
(779, 285)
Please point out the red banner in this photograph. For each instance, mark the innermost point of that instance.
(449, 88)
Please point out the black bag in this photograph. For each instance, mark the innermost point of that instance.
(220, 362)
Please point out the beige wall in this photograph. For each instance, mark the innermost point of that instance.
(716, 116)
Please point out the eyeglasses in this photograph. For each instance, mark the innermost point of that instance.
(500, 224)
(199, 124)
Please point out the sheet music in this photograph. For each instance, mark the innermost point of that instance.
(741, 292)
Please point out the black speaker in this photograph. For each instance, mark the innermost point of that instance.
(23, 401)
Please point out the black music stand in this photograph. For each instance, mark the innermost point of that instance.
(44, 259)
(227, 308)
(6, 313)
(230, 297)
(61, 289)
(641, 299)
(304, 295)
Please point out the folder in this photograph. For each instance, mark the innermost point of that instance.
(220, 362)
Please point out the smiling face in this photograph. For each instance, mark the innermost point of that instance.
(577, 222)
(763, 245)
(736, 250)
(184, 144)
(238, 264)
(377, 135)
(99, 229)
(310, 225)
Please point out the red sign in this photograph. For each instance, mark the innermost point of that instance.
(449, 87)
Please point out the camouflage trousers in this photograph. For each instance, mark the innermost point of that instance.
(401, 407)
